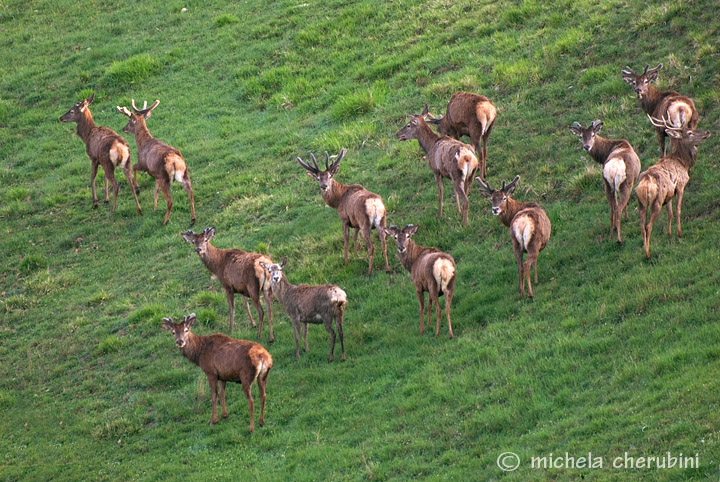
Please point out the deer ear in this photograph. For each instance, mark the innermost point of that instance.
(597, 126)
(674, 133)
(412, 230)
(189, 320)
(209, 233)
(90, 99)
(312, 175)
(188, 236)
(284, 261)
(167, 324)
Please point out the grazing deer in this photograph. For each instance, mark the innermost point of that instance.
(621, 167)
(678, 109)
(357, 207)
(472, 115)
(224, 359)
(161, 161)
(529, 227)
(309, 304)
(448, 158)
(430, 269)
(667, 179)
(238, 272)
(104, 147)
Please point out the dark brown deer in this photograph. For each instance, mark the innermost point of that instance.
(238, 272)
(472, 115)
(357, 207)
(529, 228)
(309, 304)
(430, 270)
(678, 109)
(224, 359)
(105, 148)
(621, 167)
(448, 158)
(163, 162)
(667, 179)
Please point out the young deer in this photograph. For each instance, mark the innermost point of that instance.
(430, 270)
(678, 109)
(529, 228)
(621, 167)
(309, 304)
(104, 147)
(667, 179)
(224, 359)
(357, 207)
(161, 161)
(448, 158)
(472, 115)
(238, 272)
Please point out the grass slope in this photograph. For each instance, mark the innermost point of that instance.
(617, 354)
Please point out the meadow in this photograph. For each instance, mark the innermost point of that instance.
(617, 354)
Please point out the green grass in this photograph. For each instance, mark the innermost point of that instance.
(616, 354)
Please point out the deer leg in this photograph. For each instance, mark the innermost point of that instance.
(421, 300)
(642, 211)
(222, 398)
(486, 141)
(527, 269)
(305, 337)
(230, 295)
(611, 205)
(93, 173)
(429, 311)
(262, 382)
(109, 175)
(383, 245)
(346, 236)
(136, 186)
(331, 332)
(247, 308)
(296, 330)
(465, 204)
(268, 302)
(669, 214)
(355, 235)
(371, 249)
(448, 303)
(338, 323)
(107, 197)
(155, 194)
(519, 257)
(624, 197)
(188, 187)
(126, 171)
(165, 187)
(678, 201)
(469, 182)
(438, 181)
(535, 264)
(251, 405)
(255, 297)
(212, 380)
(434, 297)
(648, 229)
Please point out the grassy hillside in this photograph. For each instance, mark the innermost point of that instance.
(616, 354)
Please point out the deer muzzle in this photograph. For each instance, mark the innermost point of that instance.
(496, 211)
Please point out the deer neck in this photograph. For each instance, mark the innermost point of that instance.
(333, 195)
(411, 254)
(684, 153)
(601, 149)
(85, 125)
(212, 258)
(512, 207)
(426, 137)
(142, 134)
(193, 348)
(281, 288)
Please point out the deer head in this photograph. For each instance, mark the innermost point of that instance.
(402, 236)
(412, 128)
(275, 270)
(587, 134)
(78, 110)
(641, 82)
(324, 178)
(144, 113)
(200, 240)
(499, 198)
(181, 331)
(689, 137)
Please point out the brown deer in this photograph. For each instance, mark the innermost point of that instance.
(529, 228)
(472, 115)
(224, 359)
(105, 148)
(678, 109)
(430, 270)
(238, 272)
(448, 158)
(357, 207)
(161, 161)
(667, 179)
(621, 167)
(309, 304)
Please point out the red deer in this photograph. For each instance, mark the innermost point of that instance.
(224, 359)
(472, 115)
(309, 304)
(161, 161)
(357, 207)
(430, 270)
(529, 228)
(238, 272)
(678, 109)
(448, 158)
(621, 167)
(667, 179)
(105, 148)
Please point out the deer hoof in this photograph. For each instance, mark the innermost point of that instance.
(95, 205)
(192, 221)
(342, 357)
(139, 211)
(107, 201)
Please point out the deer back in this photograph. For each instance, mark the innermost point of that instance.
(465, 109)
(312, 304)
(452, 159)
(227, 358)
(360, 207)
(239, 269)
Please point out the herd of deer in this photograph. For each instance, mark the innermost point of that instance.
(226, 359)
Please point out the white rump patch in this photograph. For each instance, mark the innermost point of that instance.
(614, 173)
(375, 211)
(523, 229)
(443, 271)
(337, 295)
(679, 113)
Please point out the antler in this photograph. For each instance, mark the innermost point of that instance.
(336, 162)
(512, 184)
(145, 108)
(307, 166)
(124, 111)
(484, 185)
(627, 71)
(662, 122)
